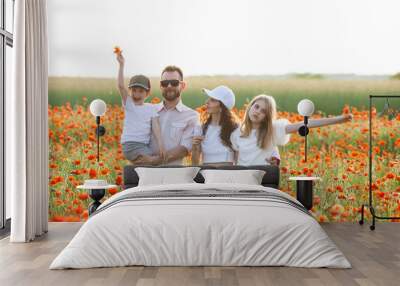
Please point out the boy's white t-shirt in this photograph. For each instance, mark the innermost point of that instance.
(137, 121)
(212, 149)
(249, 153)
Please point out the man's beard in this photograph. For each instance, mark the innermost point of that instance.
(171, 95)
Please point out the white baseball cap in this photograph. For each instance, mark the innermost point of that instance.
(223, 94)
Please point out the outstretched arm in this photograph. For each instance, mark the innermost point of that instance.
(312, 123)
(121, 87)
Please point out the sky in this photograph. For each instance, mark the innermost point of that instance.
(230, 37)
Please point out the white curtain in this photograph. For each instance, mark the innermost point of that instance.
(27, 125)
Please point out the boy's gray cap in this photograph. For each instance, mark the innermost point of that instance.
(140, 81)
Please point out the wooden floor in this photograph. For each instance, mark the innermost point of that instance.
(374, 255)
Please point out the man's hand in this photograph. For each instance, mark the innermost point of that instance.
(156, 160)
(147, 160)
(176, 153)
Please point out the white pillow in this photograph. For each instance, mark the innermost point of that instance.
(249, 177)
(166, 176)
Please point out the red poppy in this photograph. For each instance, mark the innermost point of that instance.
(85, 215)
(78, 210)
(339, 188)
(155, 100)
(112, 191)
(83, 196)
(390, 176)
(91, 157)
(118, 180)
(57, 218)
(72, 219)
(336, 209)
(92, 173)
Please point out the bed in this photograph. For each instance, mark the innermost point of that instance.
(199, 224)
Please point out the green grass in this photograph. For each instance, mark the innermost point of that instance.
(328, 95)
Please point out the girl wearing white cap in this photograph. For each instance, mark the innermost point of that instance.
(260, 133)
(214, 146)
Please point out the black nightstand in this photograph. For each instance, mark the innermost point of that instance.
(304, 190)
(96, 193)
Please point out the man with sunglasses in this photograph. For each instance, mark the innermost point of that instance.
(177, 121)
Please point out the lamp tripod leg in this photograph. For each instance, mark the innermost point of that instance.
(372, 227)
(361, 221)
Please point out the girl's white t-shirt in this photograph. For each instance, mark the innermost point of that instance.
(249, 153)
(212, 148)
(137, 122)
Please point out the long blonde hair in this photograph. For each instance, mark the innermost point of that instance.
(265, 131)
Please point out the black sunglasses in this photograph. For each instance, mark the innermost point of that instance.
(173, 82)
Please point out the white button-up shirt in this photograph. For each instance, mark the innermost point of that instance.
(177, 127)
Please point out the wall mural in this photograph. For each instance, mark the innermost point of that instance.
(174, 118)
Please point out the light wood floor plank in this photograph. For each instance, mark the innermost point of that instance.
(375, 257)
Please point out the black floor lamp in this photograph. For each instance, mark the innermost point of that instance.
(98, 107)
(304, 184)
(369, 205)
(306, 109)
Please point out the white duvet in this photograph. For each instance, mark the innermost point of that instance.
(200, 231)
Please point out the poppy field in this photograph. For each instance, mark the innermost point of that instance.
(338, 154)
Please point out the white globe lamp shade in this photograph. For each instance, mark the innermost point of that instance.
(98, 107)
(305, 107)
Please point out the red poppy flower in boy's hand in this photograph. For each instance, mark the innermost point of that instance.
(117, 50)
